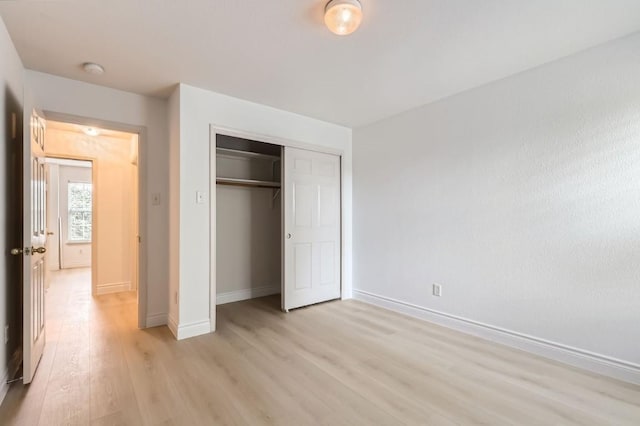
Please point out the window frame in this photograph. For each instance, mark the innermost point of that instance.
(88, 225)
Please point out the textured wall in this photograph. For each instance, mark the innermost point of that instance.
(522, 198)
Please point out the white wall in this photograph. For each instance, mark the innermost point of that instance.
(198, 110)
(522, 198)
(11, 101)
(61, 95)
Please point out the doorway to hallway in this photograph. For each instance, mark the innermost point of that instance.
(92, 202)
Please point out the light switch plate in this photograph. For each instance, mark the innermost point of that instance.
(199, 197)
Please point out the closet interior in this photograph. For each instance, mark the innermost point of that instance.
(248, 219)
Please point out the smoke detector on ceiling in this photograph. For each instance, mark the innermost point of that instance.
(93, 68)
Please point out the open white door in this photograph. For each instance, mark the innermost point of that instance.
(35, 236)
(312, 247)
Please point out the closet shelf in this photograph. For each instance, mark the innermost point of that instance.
(234, 153)
(247, 182)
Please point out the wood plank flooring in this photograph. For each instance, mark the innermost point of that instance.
(338, 363)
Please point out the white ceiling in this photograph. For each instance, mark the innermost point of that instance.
(407, 52)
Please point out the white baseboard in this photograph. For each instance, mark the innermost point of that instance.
(113, 288)
(185, 331)
(4, 387)
(156, 320)
(173, 326)
(245, 294)
(597, 363)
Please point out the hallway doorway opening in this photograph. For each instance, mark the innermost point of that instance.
(92, 203)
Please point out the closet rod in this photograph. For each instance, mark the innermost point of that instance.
(248, 182)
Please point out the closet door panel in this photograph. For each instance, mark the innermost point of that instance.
(303, 260)
(312, 228)
(303, 205)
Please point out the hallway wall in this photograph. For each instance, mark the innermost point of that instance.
(114, 202)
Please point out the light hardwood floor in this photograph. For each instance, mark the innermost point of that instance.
(339, 363)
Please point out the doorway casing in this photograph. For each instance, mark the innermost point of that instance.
(141, 131)
(94, 213)
(215, 130)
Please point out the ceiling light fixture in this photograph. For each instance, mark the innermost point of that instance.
(93, 68)
(91, 131)
(343, 17)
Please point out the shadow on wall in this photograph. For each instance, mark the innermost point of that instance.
(12, 181)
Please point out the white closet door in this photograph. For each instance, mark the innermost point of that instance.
(311, 227)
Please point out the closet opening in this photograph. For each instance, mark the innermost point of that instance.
(248, 220)
(276, 223)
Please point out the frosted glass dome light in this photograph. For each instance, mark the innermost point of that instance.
(343, 17)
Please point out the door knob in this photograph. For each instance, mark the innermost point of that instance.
(17, 251)
(288, 236)
(38, 250)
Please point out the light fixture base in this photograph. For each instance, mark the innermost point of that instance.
(343, 17)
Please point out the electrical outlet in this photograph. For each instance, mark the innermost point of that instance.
(6, 334)
(437, 290)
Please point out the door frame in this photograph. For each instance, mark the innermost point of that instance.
(282, 142)
(94, 214)
(141, 131)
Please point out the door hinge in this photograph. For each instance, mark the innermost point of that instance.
(14, 126)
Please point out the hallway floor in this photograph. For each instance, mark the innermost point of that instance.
(82, 358)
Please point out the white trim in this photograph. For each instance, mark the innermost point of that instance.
(4, 387)
(113, 288)
(345, 293)
(193, 329)
(246, 294)
(94, 218)
(597, 363)
(173, 326)
(69, 162)
(213, 230)
(156, 320)
(274, 140)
